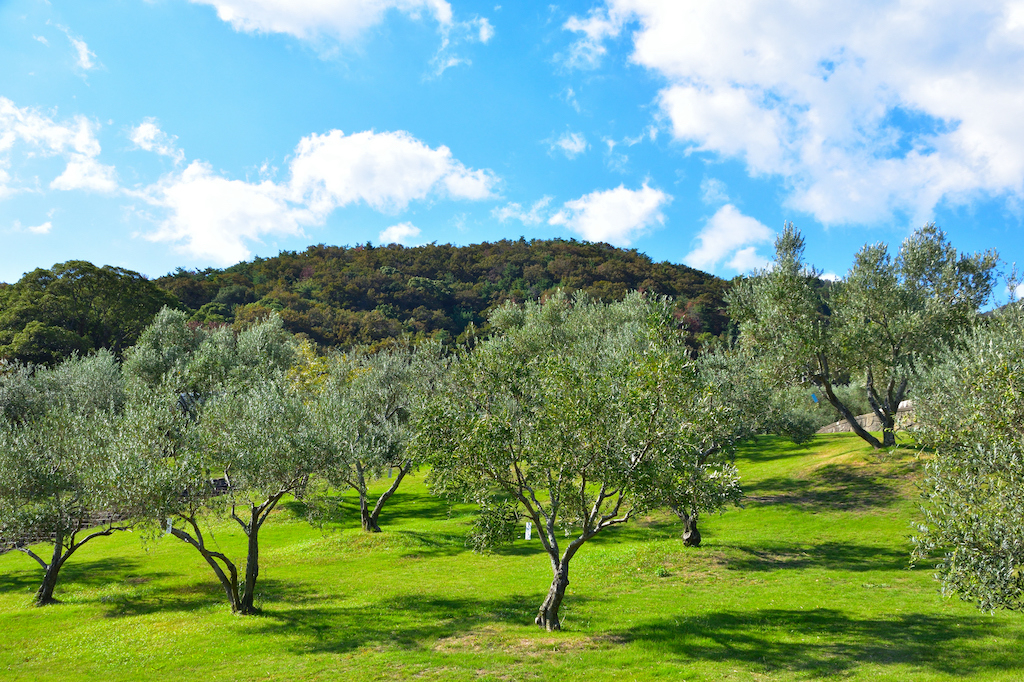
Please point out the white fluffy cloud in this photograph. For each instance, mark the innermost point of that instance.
(384, 170)
(484, 29)
(147, 136)
(863, 111)
(511, 210)
(730, 234)
(713, 191)
(402, 233)
(326, 23)
(44, 228)
(84, 54)
(35, 133)
(313, 19)
(598, 26)
(85, 172)
(215, 218)
(570, 144)
(617, 216)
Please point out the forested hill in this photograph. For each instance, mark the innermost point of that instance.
(345, 295)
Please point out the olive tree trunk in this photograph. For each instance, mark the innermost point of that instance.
(64, 545)
(259, 514)
(547, 615)
(691, 536)
(44, 595)
(368, 518)
(885, 407)
(252, 566)
(228, 579)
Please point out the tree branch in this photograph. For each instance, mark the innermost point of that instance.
(32, 554)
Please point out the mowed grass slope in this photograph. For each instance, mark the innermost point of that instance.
(809, 580)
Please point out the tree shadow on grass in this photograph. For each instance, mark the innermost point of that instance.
(820, 642)
(409, 622)
(343, 509)
(423, 544)
(837, 556)
(25, 580)
(199, 595)
(762, 449)
(403, 507)
(83, 573)
(831, 488)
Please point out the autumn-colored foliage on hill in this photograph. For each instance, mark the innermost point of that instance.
(361, 295)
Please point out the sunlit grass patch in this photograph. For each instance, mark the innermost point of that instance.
(810, 580)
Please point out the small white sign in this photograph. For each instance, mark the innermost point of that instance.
(529, 529)
(169, 523)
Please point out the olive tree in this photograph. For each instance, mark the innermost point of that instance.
(570, 411)
(261, 438)
(365, 413)
(226, 432)
(197, 362)
(728, 402)
(60, 480)
(882, 323)
(969, 409)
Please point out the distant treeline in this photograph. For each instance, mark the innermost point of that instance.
(341, 296)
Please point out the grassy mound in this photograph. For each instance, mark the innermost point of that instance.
(809, 580)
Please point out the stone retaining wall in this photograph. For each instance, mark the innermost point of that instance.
(870, 421)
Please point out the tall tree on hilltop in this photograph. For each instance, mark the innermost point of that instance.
(74, 308)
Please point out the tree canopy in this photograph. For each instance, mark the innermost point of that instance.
(570, 411)
(969, 409)
(346, 296)
(366, 411)
(74, 308)
(219, 403)
(881, 323)
(58, 467)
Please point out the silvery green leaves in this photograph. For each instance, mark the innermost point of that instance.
(57, 466)
(573, 411)
(881, 324)
(366, 414)
(260, 437)
(195, 360)
(969, 410)
(495, 525)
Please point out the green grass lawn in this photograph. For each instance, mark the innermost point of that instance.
(809, 580)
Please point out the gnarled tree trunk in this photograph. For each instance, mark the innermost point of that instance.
(849, 416)
(44, 595)
(886, 408)
(691, 536)
(252, 567)
(229, 580)
(547, 615)
(367, 520)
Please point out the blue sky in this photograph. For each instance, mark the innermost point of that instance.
(164, 133)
